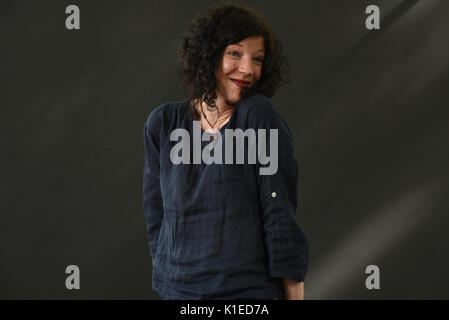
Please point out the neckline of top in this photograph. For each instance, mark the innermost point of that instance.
(190, 115)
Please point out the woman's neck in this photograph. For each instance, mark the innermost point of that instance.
(214, 119)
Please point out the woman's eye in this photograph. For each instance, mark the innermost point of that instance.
(260, 60)
(234, 53)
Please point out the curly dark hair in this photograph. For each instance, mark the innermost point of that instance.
(207, 37)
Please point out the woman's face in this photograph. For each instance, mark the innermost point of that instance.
(240, 66)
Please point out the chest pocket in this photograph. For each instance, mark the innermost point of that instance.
(228, 172)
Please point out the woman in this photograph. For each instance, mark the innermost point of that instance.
(223, 230)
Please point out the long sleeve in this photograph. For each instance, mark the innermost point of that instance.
(286, 243)
(152, 198)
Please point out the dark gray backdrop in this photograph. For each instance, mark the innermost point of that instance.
(368, 110)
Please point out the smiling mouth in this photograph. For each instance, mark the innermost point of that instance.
(241, 83)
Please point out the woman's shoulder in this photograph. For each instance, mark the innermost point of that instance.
(256, 102)
(261, 112)
(165, 111)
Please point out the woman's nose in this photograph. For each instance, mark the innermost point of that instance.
(245, 67)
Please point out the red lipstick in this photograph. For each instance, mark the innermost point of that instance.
(240, 83)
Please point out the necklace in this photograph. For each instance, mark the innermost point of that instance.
(212, 126)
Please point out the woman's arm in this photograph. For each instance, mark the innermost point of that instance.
(294, 290)
(286, 244)
(152, 198)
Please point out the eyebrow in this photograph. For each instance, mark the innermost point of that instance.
(236, 44)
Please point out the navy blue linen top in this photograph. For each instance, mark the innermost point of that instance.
(221, 231)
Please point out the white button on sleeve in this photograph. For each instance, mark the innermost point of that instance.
(273, 194)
